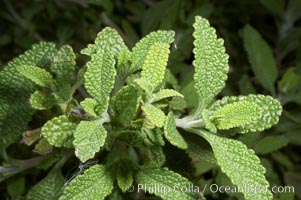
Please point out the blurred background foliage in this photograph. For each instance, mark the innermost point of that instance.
(262, 37)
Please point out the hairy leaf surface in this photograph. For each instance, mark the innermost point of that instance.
(107, 39)
(59, 131)
(154, 115)
(48, 188)
(89, 137)
(41, 101)
(125, 103)
(237, 114)
(269, 116)
(165, 93)
(171, 133)
(153, 68)
(241, 165)
(15, 90)
(37, 75)
(141, 49)
(95, 183)
(89, 105)
(166, 179)
(211, 61)
(100, 76)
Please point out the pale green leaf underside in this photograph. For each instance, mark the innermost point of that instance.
(89, 137)
(99, 77)
(271, 110)
(48, 188)
(211, 61)
(237, 114)
(141, 49)
(89, 105)
(153, 68)
(59, 131)
(125, 103)
(107, 39)
(165, 93)
(37, 75)
(261, 58)
(41, 101)
(165, 179)
(95, 183)
(171, 133)
(240, 164)
(154, 115)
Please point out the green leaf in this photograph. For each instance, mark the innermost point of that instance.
(64, 63)
(59, 131)
(141, 49)
(106, 40)
(271, 110)
(171, 133)
(43, 147)
(211, 61)
(99, 77)
(95, 183)
(48, 188)
(89, 137)
(165, 93)
(16, 186)
(261, 58)
(41, 101)
(150, 177)
(37, 75)
(125, 103)
(270, 143)
(124, 178)
(154, 66)
(89, 105)
(15, 90)
(240, 164)
(154, 115)
(237, 114)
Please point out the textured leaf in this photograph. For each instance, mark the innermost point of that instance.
(261, 58)
(37, 75)
(241, 165)
(165, 93)
(154, 115)
(148, 178)
(141, 49)
(237, 114)
(211, 61)
(89, 105)
(171, 133)
(41, 101)
(48, 188)
(59, 131)
(99, 77)
(266, 119)
(270, 143)
(89, 137)
(43, 147)
(107, 40)
(15, 90)
(64, 63)
(154, 66)
(125, 103)
(95, 183)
